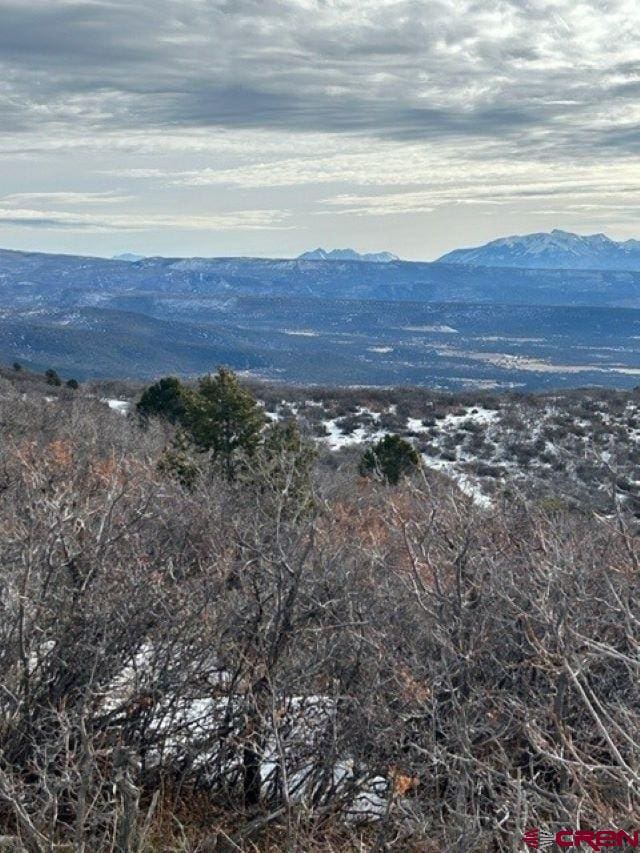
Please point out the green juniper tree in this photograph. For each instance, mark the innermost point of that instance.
(391, 458)
(225, 420)
(52, 378)
(166, 399)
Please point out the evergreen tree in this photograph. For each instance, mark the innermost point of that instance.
(282, 470)
(391, 458)
(176, 461)
(52, 377)
(225, 419)
(73, 384)
(166, 399)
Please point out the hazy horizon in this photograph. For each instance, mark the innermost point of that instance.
(273, 256)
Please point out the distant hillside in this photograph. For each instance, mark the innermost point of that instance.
(348, 255)
(338, 322)
(554, 250)
(38, 280)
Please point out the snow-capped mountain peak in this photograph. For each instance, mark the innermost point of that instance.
(130, 257)
(348, 255)
(551, 250)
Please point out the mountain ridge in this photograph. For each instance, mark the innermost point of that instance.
(46, 280)
(129, 256)
(555, 249)
(342, 322)
(320, 254)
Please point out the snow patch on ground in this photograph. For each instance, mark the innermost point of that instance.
(477, 415)
(121, 406)
(465, 483)
(336, 439)
(187, 727)
(442, 330)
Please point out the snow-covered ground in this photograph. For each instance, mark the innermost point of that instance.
(337, 439)
(121, 406)
(185, 730)
(465, 483)
(555, 445)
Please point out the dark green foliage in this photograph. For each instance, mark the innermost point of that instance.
(225, 419)
(391, 458)
(73, 384)
(282, 470)
(52, 378)
(17, 366)
(177, 462)
(166, 399)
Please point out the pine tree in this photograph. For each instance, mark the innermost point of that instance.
(226, 420)
(391, 458)
(166, 399)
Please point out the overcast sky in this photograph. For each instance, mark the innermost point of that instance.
(267, 127)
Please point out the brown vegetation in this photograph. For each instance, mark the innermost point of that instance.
(191, 669)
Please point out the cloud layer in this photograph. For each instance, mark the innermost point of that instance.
(399, 106)
(408, 69)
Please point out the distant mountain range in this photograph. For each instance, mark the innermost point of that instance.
(554, 250)
(545, 250)
(447, 325)
(348, 255)
(38, 281)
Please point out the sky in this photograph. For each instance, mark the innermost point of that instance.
(269, 127)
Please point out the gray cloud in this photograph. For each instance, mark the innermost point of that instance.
(65, 198)
(406, 69)
(199, 117)
(131, 222)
